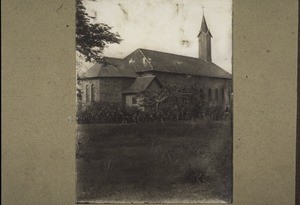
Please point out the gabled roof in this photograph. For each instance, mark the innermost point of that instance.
(113, 68)
(172, 63)
(140, 84)
(144, 60)
(204, 27)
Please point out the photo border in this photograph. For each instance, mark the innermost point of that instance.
(38, 101)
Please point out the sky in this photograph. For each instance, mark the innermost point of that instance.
(169, 26)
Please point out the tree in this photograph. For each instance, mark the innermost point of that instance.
(151, 98)
(171, 102)
(156, 98)
(91, 38)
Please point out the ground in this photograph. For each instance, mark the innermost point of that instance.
(155, 162)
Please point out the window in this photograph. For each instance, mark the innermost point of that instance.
(134, 100)
(223, 95)
(202, 96)
(209, 95)
(216, 95)
(87, 93)
(92, 93)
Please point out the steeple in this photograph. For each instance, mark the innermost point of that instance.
(204, 41)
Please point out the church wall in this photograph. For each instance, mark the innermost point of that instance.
(86, 87)
(105, 89)
(199, 82)
(110, 90)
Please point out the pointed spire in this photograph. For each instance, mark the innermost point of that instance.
(204, 41)
(204, 27)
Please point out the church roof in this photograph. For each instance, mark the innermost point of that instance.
(139, 84)
(172, 63)
(114, 68)
(144, 60)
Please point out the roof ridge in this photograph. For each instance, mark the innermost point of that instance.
(146, 76)
(168, 53)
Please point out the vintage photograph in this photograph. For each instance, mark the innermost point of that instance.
(154, 101)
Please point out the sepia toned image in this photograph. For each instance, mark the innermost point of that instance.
(170, 153)
(154, 101)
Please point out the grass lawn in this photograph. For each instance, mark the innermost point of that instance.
(155, 162)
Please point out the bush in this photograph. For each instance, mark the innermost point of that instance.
(105, 112)
(191, 111)
(195, 175)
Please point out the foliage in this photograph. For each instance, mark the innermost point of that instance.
(158, 160)
(196, 175)
(104, 112)
(91, 38)
(165, 104)
(172, 103)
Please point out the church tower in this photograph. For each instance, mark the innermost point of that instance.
(204, 41)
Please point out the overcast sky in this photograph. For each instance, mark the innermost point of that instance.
(166, 25)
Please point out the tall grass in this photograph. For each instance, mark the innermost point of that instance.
(154, 161)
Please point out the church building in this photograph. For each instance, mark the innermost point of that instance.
(120, 80)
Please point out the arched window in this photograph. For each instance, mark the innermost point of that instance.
(92, 93)
(209, 95)
(223, 95)
(87, 93)
(216, 95)
(202, 96)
